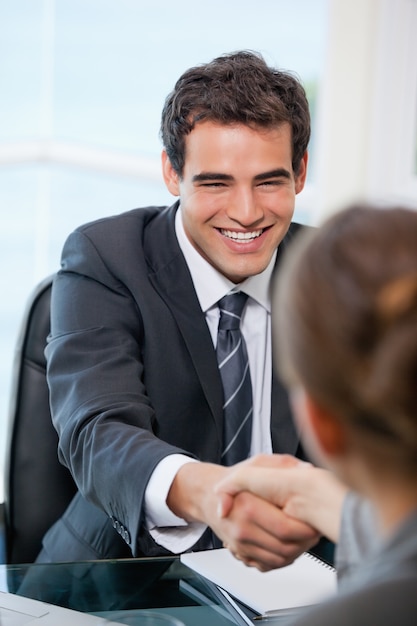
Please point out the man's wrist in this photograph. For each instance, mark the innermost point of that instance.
(192, 490)
(157, 512)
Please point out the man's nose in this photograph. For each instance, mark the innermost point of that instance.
(244, 208)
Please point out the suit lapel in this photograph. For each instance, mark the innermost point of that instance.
(285, 438)
(170, 276)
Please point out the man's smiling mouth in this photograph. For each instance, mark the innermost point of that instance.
(241, 236)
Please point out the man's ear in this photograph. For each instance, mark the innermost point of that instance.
(329, 431)
(171, 177)
(300, 178)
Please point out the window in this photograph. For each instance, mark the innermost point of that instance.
(83, 84)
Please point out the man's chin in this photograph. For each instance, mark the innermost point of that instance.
(237, 274)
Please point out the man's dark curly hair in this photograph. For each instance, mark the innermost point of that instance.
(235, 88)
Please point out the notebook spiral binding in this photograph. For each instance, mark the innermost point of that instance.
(323, 563)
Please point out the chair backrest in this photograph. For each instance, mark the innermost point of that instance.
(37, 487)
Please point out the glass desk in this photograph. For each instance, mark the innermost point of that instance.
(101, 587)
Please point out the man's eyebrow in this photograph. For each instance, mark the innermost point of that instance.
(210, 176)
(281, 172)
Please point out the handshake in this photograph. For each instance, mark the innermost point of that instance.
(266, 510)
(290, 502)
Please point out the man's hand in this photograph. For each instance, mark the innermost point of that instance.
(255, 530)
(302, 491)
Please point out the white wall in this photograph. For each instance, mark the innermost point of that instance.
(367, 126)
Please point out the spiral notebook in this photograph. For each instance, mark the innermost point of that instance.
(307, 581)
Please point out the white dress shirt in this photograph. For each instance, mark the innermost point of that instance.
(167, 529)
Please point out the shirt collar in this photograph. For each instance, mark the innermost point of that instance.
(211, 285)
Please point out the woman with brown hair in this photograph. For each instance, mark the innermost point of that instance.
(346, 324)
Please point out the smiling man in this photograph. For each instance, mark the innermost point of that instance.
(146, 420)
(237, 191)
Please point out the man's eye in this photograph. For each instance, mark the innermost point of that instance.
(271, 183)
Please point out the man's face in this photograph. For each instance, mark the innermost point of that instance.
(237, 194)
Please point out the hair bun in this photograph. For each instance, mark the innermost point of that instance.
(397, 297)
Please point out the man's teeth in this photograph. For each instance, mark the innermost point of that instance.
(241, 236)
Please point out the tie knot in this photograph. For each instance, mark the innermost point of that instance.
(231, 307)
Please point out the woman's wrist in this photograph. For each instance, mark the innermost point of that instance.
(317, 500)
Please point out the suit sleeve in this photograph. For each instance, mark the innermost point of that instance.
(99, 403)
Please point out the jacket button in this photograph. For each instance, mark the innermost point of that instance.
(126, 536)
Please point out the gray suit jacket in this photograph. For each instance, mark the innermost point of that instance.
(383, 590)
(133, 377)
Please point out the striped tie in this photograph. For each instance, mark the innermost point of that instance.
(233, 363)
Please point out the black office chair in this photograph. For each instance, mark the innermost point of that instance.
(37, 487)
